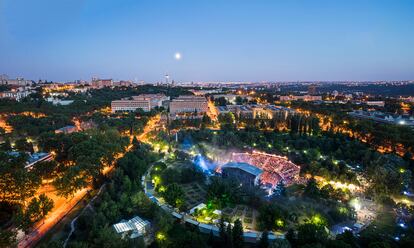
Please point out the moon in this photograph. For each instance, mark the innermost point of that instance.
(177, 56)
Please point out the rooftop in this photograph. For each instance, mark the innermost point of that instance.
(245, 167)
(135, 224)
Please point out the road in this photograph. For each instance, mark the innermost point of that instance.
(62, 207)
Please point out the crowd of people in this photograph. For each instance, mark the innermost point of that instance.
(275, 168)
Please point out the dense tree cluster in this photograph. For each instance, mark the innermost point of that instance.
(122, 198)
(335, 119)
(82, 156)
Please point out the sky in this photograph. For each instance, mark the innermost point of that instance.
(219, 40)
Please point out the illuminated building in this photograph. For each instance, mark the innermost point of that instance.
(133, 228)
(254, 111)
(146, 102)
(15, 94)
(305, 98)
(188, 104)
(375, 103)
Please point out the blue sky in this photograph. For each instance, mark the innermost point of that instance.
(244, 40)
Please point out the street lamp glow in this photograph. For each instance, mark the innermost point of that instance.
(177, 56)
(356, 204)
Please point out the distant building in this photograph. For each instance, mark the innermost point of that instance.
(146, 102)
(245, 111)
(101, 83)
(16, 82)
(188, 104)
(254, 111)
(245, 173)
(375, 103)
(133, 228)
(122, 83)
(15, 95)
(67, 130)
(383, 117)
(312, 89)
(231, 98)
(270, 111)
(57, 101)
(301, 97)
(205, 92)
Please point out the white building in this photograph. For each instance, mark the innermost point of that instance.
(188, 104)
(15, 94)
(145, 102)
(17, 82)
(57, 101)
(133, 228)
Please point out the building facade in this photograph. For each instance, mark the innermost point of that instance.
(15, 94)
(146, 102)
(188, 104)
(303, 98)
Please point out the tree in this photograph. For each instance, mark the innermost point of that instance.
(143, 204)
(174, 195)
(271, 217)
(239, 100)
(327, 191)
(16, 183)
(227, 121)
(46, 169)
(229, 235)
(37, 209)
(221, 101)
(264, 240)
(348, 238)
(7, 238)
(280, 189)
(237, 234)
(222, 231)
(280, 243)
(107, 238)
(45, 204)
(311, 189)
(310, 233)
(206, 119)
(6, 146)
(23, 145)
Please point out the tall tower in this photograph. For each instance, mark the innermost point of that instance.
(167, 78)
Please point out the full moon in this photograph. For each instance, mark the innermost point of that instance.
(177, 56)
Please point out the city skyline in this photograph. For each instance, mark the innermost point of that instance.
(214, 41)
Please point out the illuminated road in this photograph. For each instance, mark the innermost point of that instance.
(151, 125)
(212, 113)
(62, 207)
